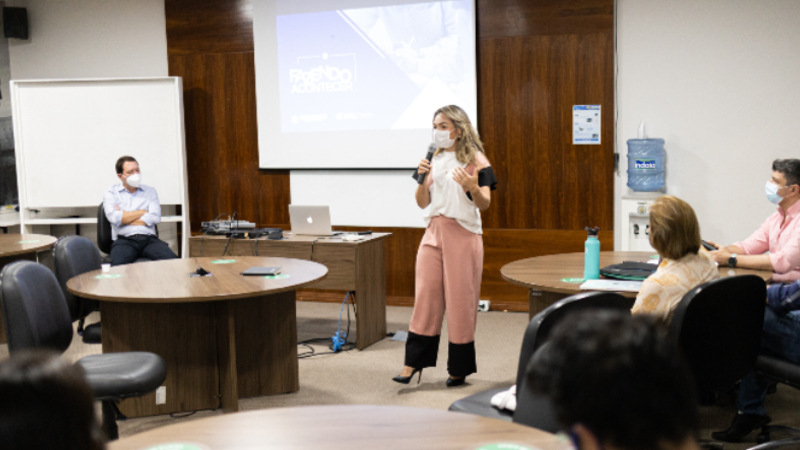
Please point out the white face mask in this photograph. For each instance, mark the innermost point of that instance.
(442, 138)
(134, 180)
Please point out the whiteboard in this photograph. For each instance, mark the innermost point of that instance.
(69, 134)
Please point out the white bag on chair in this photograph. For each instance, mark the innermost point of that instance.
(506, 399)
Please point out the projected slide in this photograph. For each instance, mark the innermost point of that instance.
(371, 68)
(381, 68)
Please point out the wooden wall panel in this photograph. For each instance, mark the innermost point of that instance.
(222, 141)
(536, 58)
(528, 86)
(209, 26)
(505, 18)
(505, 246)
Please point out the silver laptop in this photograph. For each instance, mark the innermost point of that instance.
(313, 220)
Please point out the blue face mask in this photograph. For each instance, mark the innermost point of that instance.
(772, 193)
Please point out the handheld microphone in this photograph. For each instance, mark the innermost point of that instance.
(429, 157)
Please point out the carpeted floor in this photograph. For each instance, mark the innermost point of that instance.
(364, 377)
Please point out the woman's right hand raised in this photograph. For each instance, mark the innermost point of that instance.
(424, 167)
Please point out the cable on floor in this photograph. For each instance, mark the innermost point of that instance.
(344, 345)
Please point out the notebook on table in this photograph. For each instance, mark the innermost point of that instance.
(261, 271)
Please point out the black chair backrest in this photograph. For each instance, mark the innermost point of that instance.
(718, 327)
(104, 238)
(534, 410)
(75, 255)
(34, 309)
(539, 327)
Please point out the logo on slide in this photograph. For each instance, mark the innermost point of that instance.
(324, 73)
(309, 220)
(646, 164)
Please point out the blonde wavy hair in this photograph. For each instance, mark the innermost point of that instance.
(674, 230)
(468, 144)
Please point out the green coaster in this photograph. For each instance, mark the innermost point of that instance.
(223, 261)
(32, 241)
(655, 256)
(178, 446)
(572, 280)
(503, 446)
(106, 276)
(279, 276)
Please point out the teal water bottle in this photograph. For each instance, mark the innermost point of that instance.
(591, 255)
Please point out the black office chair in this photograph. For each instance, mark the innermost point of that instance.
(533, 409)
(75, 255)
(36, 316)
(535, 335)
(105, 237)
(785, 372)
(717, 326)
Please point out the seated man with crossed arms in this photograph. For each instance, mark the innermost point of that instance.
(134, 211)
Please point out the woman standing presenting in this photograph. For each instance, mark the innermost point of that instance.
(450, 256)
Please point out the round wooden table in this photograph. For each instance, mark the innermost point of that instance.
(16, 247)
(24, 244)
(223, 337)
(553, 277)
(345, 428)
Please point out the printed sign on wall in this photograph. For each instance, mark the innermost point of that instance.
(586, 125)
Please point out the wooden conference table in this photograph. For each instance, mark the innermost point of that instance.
(553, 277)
(358, 266)
(223, 337)
(345, 428)
(16, 247)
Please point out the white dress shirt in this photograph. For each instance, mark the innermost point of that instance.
(145, 197)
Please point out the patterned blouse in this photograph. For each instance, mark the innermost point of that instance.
(663, 290)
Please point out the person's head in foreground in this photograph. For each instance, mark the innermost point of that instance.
(45, 403)
(674, 230)
(617, 382)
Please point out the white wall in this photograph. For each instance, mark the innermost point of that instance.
(365, 198)
(91, 39)
(718, 80)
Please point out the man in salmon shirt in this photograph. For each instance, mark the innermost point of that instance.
(780, 236)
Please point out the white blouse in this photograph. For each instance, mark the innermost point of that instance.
(448, 198)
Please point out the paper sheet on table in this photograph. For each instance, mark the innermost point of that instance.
(611, 285)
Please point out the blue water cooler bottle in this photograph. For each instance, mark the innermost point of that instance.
(646, 163)
(591, 255)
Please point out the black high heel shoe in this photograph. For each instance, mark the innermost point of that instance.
(405, 380)
(453, 382)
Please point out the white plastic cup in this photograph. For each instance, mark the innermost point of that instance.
(106, 268)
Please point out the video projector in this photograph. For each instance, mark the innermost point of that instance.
(225, 226)
(240, 229)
